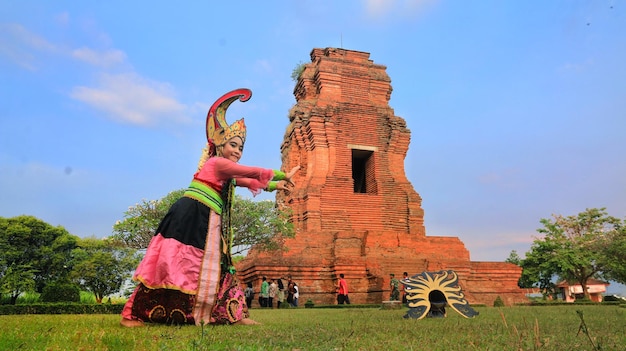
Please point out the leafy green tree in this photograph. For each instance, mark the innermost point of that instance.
(17, 280)
(573, 248)
(538, 272)
(615, 254)
(141, 220)
(258, 223)
(103, 265)
(57, 264)
(26, 241)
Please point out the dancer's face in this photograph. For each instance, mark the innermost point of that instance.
(233, 149)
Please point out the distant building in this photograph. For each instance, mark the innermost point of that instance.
(569, 292)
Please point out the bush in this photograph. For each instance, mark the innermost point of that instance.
(614, 298)
(60, 292)
(61, 308)
(498, 302)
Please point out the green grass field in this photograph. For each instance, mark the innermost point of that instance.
(507, 328)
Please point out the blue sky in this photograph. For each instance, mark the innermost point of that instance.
(517, 109)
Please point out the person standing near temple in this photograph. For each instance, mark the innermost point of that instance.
(273, 291)
(394, 285)
(405, 277)
(281, 292)
(296, 295)
(290, 290)
(265, 292)
(342, 291)
(249, 293)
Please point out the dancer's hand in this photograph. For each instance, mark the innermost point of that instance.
(290, 174)
(284, 185)
(288, 184)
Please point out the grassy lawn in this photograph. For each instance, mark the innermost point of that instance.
(508, 328)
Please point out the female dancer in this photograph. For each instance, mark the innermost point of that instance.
(187, 275)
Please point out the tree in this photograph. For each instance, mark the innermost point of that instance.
(514, 258)
(615, 254)
(141, 221)
(538, 272)
(258, 223)
(17, 280)
(26, 241)
(573, 249)
(103, 265)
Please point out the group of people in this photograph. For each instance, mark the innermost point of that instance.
(274, 290)
(187, 275)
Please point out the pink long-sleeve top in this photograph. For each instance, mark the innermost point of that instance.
(217, 170)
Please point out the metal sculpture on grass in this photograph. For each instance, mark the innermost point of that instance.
(428, 294)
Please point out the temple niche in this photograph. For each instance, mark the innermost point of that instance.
(354, 210)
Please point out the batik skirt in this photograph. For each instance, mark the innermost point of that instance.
(181, 277)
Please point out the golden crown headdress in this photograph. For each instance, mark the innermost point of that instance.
(217, 129)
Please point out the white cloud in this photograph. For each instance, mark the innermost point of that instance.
(17, 45)
(129, 98)
(23, 47)
(104, 59)
(28, 38)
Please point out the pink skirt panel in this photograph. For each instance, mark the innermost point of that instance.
(170, 264)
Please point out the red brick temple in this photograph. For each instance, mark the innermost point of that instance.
(355, 212)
